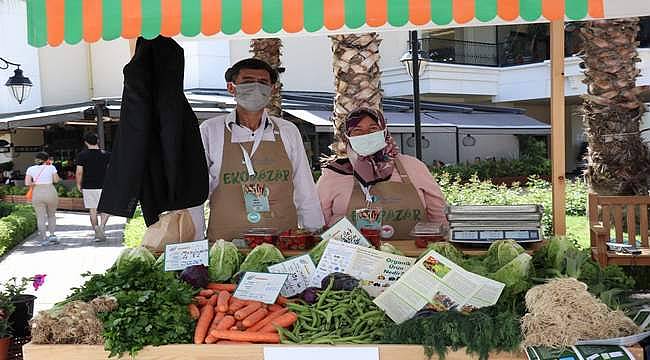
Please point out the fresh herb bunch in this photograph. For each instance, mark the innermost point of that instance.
(152, 307)
(480, 332)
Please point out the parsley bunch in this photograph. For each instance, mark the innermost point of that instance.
(152, 307)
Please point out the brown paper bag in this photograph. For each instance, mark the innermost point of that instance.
(172, 228)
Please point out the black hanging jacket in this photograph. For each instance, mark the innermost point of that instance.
(158, 157)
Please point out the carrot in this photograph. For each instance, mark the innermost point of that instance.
(269, 338)
(281, 300)
(275, 307)
(206, 293)
(267, 320)
(200, 300)
(203, 324)
(284, 321)
(249, 309)
(222, 301)
(210, 339)
(236, 304)
(194, 311)
(229, 342)
(240, 326)
(234, 328)
(255, 317)
(222, 287)
(227, 322)
(212, 301)
(217, 319)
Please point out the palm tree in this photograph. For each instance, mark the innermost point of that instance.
(356, 76)
(270, 51)
(618, 160)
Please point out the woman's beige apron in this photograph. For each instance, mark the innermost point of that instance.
(228, 216)
(401, 204)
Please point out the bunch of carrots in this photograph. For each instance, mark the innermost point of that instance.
(225, 319)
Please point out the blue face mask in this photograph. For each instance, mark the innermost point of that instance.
(369, 144)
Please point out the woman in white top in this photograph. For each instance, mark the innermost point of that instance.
(45, 200)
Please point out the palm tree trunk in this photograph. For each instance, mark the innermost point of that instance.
(270, 50)
(357, 78)
(618, 160)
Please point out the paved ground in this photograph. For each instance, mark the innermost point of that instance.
(64, 263)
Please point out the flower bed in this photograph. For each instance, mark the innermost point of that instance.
(68, 199)
(16, 226)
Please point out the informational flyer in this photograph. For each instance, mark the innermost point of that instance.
(436, 282)
(580, 352)
(345, 231)
(261, 287)
(376, 270)
(183, 255)
(300, 270)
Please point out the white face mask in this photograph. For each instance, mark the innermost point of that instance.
(252, 96)
(366, 145)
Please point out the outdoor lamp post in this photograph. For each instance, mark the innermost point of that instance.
(19, 85)
(411, 61)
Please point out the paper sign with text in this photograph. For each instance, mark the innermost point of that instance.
(320, 353)
(300, 270)
(375, 269)
(183, 255)
(261, 287)
(345, 231)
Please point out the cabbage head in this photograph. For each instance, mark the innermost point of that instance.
(556, 251)
(502, 252)
(261, 257)
(391, 249)
(132, 257)
(517, 270)
(224, 261)
(447, 250)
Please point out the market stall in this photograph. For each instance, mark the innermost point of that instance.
(391, 306)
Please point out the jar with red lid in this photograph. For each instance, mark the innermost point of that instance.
(373, 236)
(295, 239)
(259, 236)
(427, 233)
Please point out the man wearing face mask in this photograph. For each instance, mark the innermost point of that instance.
(258, 169)
(374, 175)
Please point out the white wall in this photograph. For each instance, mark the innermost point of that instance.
(487, 146)
(108, 60)
(14, 48)
(206, 61)
(65, 74)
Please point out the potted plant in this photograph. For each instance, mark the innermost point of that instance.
(23, 304)
(6, 309)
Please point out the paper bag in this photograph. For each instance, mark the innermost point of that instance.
(172, 227)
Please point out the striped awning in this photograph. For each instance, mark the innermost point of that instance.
(55, 21)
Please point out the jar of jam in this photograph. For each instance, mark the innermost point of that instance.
(295, 239)
(259, 236)
(426, 233)
(373, 236)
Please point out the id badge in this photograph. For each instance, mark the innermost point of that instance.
(368, 218)
(256, 197)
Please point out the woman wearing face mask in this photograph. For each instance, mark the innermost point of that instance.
(259, 173)
(375, 175)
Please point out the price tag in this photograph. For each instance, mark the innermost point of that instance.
(300, 270)
(261, 287)
(180, 256)
(321, 353)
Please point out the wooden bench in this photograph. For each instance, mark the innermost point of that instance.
(626, 214)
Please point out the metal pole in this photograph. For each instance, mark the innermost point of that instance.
(99, 115)
(457, 148)
(415, 57)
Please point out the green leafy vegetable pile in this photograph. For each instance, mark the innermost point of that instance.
(152, 306)
(480, 332)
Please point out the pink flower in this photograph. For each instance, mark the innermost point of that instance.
(39, 280)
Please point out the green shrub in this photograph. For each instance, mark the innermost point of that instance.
(490, 169)
(16, 226)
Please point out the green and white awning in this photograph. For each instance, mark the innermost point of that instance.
(55, 21)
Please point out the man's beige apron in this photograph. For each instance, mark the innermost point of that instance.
(401, 204)
(228, 217)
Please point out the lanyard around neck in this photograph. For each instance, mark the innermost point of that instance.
(257, 140)
(366, 192)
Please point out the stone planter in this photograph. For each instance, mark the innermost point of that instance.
(4, 348)
(76, 204)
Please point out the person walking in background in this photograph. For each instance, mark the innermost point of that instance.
(91, 169)
(45, 200)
